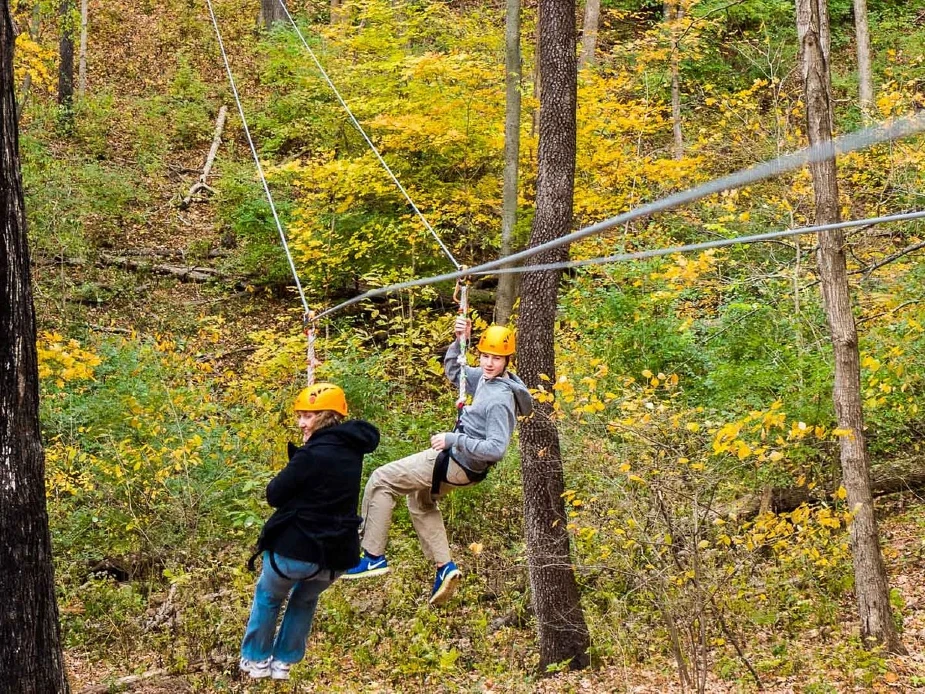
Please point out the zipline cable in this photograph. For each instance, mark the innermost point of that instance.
(706, 245)
(308, 316)
(639, 255)
(846, 143)
(369, 142)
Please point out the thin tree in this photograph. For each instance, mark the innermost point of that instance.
(507, 284)
(871, 586)
(865, 80)
(31, 660)
(271, 11)
(66, 59)
(82, 53)
(589, 30)
(674, 13)
(563, 633)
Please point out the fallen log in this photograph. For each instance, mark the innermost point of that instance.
(787, 499)
(193, 273)
(200, 185)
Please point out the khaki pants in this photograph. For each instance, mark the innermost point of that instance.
(410, 477)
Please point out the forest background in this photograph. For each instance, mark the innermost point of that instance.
(165, 392)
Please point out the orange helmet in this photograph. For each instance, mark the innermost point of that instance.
(497, 339)
(321, 396)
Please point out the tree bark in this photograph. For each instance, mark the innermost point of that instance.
(82, 53)
(507, 284)
(674, 12)
(563, 633)
(865, 80)
(31, 660)
(271, 11)
(871, 587)
(66, 60)
(589, 30)
(337, 11)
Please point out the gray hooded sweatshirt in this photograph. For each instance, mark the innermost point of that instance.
(487, 424)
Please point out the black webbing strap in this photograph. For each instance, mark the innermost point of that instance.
(252, 566)
(441, 465)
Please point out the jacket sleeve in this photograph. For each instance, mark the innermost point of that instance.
(451, 369)
(500, 423)
(298, 471)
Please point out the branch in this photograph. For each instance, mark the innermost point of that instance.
(890, 258)
(200, 185)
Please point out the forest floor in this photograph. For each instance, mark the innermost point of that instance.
(164, 302)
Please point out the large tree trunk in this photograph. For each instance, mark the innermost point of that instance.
(271, 11)
(589, 32)
(563, 634)
(31, 660)
(507, 284)
(66, 59)
(870, 577)
(865, 80)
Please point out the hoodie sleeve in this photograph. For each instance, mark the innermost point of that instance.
(290, 479)
(451, 369)
(500, 423)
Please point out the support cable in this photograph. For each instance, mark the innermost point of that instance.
(846, 143)
(640, 255)
(263, 178)
(706, 245)
(369, 142)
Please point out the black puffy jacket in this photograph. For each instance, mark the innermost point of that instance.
(316, 496)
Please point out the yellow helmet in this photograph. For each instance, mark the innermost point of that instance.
(497, 339)
(321, 396)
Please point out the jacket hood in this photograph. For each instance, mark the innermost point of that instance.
(522, 399)
(355, 433)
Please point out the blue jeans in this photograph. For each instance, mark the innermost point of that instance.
(304, 584)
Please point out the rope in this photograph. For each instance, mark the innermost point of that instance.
(463, 289)
(250, 141)
(842, 145)
(369, 142)
(310, 360)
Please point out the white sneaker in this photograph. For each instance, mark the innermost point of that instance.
(258, 669)
(279, 670)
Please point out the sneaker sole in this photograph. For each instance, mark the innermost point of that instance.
(446, 590)
(367, 574)
(259, 675)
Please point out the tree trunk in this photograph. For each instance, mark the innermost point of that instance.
(82, 54)
(507, 284)
(589, 31)
(537, 73)
(865, 81)
(31, 660)
(66, 60)
(869, 572)
(271, 11)
(563, 634)
(674, 12)
(337, 7)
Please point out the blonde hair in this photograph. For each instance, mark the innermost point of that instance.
(327, 418)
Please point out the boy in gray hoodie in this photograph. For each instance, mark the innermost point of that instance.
(455, 459)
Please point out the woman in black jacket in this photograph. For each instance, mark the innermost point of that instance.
(311, 538)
